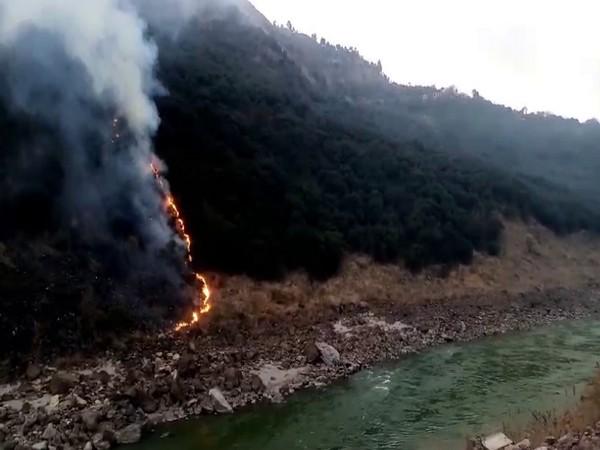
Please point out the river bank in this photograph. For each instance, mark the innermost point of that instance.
(576, 427)
(118, 395)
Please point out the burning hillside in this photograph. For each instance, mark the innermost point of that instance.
(70, 69)
(203, 289)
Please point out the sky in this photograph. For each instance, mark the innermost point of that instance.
(543, 55)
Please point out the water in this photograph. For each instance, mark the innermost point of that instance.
(427, 401)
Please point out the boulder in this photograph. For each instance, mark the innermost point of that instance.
(103, 377)
(312, 354)
(50, 433)
(131, 434)
(33, 372)
(90, 418)
(149, 405)
(62, 382)
(53, 403)
(99, 443)
(329, 355)
(256, 385)
(567, 441)
(108, 435)
(496, 441)
(219, 403)
(185, 364)
(79, 401)
(233, 378)
(177, 390)
(275, 379)
(40, 446)
(525, 444)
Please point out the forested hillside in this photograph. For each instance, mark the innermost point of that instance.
(287, 152)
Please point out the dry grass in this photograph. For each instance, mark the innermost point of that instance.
(584, 414)
(533, 258)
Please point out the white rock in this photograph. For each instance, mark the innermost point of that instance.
(50, 432)
(220, 403)
(8, 388)
(40, 446)
(376, 322)
(79, 401)
(274, 379)
(496, 441)
(329, 355)
(342, 329)
(131, 434)
(53, 403)
(15, 405)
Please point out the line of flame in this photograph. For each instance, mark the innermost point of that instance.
(173, 211)
(171, 208)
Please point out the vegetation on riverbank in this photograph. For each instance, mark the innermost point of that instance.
(576, 428)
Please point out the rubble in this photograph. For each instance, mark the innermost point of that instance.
(116, 395)
(586, 440)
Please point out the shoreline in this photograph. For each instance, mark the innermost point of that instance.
(120, 395)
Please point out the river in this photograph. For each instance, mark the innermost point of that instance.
(427, 401)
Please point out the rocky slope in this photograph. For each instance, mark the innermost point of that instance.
(264, 340)
(588, 439)
(115, 397)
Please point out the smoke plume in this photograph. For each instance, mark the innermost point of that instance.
(76, 66)
(84, 73)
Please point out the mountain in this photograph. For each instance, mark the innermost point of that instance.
(287, 152)
(283, 153)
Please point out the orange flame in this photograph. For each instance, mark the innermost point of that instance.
(204, 292)
(173, 212)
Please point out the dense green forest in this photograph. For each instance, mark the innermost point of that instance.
(287, 152)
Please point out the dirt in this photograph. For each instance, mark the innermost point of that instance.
(533, 258)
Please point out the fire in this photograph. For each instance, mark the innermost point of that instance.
(204, 291)
(171, 209)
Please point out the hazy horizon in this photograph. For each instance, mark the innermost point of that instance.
(539, 55)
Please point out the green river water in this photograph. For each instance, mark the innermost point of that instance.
(428, 401)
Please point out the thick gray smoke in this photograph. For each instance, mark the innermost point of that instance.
(75, 66)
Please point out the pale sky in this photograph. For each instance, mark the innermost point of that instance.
(541, 54)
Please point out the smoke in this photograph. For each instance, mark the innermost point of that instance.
(74, 66)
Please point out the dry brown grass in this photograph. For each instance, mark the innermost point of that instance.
(584, 414)
(533, 258)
